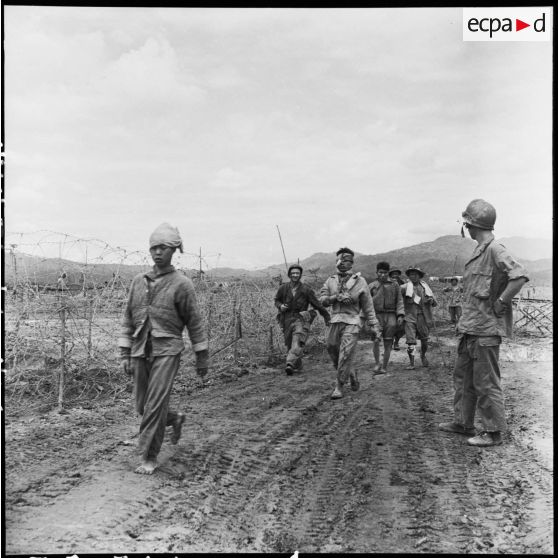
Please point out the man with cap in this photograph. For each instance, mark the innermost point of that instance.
(388, 306)
(491, 278)
(292, 301)
(395, 276)
(418, 300)
(161, 303)
(454, 304)
(348, 295)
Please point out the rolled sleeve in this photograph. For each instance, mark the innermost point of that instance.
(509, 265)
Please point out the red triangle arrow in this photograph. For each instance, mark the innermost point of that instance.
(519, 25)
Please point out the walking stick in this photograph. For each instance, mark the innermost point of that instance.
(284, 257)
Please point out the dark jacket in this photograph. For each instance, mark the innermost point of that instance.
(387, 297)
(299, 303)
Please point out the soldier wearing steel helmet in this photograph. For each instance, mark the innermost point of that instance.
(491, 278)
(292, 302)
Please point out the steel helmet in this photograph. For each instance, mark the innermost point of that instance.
(294, 266)
(480, 214)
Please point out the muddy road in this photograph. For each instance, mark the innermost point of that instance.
(268, 463)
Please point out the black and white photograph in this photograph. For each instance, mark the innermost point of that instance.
(277, 280)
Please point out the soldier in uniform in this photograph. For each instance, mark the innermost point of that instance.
(492, 277)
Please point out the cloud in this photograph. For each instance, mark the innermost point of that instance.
(229, 179)
(372, 127)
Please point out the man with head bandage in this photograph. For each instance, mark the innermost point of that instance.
(161, 303)
(348, 295)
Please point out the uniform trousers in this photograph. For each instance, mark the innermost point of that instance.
(476, 380)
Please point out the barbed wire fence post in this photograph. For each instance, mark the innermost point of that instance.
(62, 368)
(89, 317)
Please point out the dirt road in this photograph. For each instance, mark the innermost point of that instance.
(269, 463)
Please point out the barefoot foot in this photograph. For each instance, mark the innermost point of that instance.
(147, 467)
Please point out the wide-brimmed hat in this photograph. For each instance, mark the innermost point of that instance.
(414, 268)
(394, 270)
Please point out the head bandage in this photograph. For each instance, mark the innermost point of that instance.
(167, 235)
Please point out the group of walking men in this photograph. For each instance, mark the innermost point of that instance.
(387, 308)
(162, 303)
(481, 310)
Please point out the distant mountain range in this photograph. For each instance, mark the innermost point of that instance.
(442, 257)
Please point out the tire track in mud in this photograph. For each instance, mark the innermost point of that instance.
(326, 506)
(232, 493)
(270, 464)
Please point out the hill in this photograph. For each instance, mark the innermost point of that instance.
(441, 257)
(444, 256)
(45, 271)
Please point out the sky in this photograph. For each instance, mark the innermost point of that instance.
(368, 128)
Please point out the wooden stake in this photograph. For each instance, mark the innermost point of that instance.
(62, 355)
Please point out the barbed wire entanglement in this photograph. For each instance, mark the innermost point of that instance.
(64, 299)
